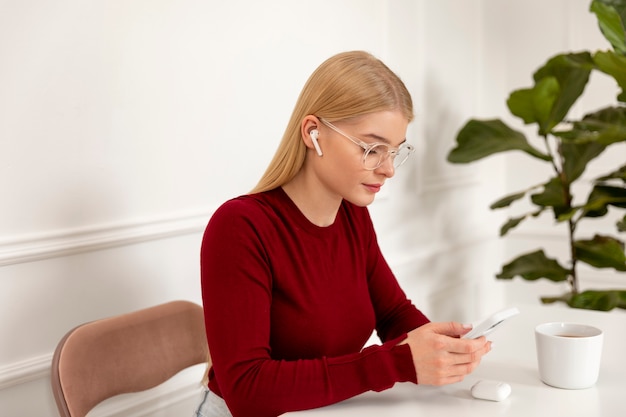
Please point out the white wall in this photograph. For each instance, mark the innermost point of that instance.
(440, 240)
(124, 124)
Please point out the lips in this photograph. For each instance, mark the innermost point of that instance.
(373, 187)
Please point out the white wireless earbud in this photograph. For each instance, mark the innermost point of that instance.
(314, 134)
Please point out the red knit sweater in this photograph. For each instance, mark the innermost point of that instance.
(289, 306)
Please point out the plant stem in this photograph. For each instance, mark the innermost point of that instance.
(572, 279)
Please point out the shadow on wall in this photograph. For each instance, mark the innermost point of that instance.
(441, 220)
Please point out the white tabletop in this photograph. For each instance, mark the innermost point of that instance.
(512, 360)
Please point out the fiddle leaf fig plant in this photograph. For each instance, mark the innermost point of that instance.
(569, 145)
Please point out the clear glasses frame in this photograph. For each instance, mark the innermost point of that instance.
(375, 154)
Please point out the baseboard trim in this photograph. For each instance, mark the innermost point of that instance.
(73, 241)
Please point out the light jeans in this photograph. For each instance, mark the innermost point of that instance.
(212, 405)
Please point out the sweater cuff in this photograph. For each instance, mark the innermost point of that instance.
(375, 368)
(403, 359)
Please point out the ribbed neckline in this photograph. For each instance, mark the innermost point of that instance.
(286, 204)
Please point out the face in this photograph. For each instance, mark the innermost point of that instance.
(340, 170)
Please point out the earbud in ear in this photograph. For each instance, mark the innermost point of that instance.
(314, 134)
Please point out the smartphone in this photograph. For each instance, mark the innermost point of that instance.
(491, 323)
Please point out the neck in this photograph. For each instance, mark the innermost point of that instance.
(317, 204)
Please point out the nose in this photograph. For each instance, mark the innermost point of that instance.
(386, 168)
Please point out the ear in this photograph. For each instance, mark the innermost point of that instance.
(310, 124)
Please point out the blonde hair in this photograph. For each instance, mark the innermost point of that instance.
(346, 85)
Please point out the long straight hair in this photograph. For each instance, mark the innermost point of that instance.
(346, 85)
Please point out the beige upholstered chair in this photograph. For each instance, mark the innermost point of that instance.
(127, 353)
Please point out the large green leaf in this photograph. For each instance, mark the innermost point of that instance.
(601, 252)
(605, 300)
(602, 196)
(506, 201)
(533, 266)
(511, 224)
(562, 298)
(554, 195)
(614, 65)
(611, 16)
(606, 127)
(571, 71)
(577, 156)
(568, 214)
(515, 221)
(481, 138)
(534, 105)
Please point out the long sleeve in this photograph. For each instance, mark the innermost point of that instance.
(289, 306)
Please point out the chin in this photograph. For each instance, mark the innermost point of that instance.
(361, 201)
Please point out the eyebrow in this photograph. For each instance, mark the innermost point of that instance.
(378, 138)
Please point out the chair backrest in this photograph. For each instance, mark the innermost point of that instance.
(127, 353)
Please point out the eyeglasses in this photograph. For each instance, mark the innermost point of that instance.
(375, 154)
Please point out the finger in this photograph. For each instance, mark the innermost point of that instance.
(440, 381)
(463, 369)
(451, 328)
(466, 345)
(451, 374)
(472, 356)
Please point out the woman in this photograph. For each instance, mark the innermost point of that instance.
(293, 280)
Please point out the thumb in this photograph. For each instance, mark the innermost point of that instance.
(452, 328)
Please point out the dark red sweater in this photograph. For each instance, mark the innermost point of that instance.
(289, 306)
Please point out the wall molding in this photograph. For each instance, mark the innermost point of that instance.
(553, 233)
(92, 238)
(442, 183)
(25, 371)
(419, 255)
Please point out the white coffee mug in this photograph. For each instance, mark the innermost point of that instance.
(568, 354)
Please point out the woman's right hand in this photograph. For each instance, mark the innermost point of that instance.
(440, 356)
